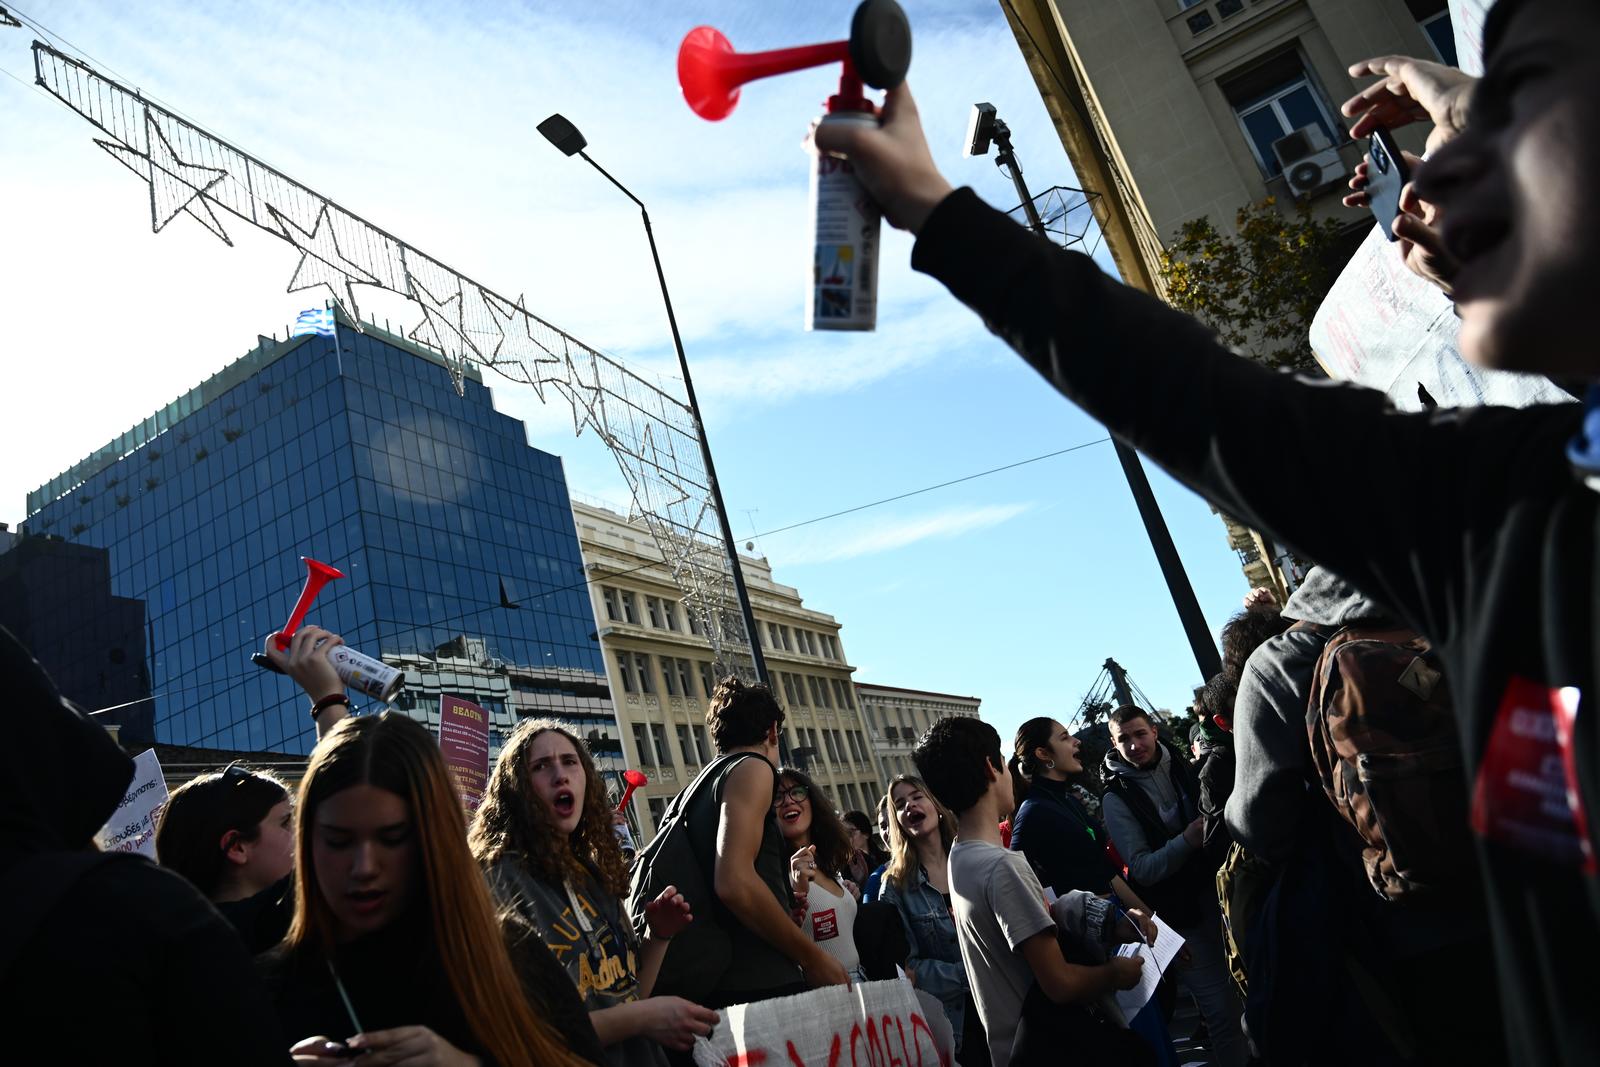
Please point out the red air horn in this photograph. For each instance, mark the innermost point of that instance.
(633, 780)
(317, 576)
(845, 228)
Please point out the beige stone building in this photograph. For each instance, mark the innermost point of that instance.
(1176, 109)
(897, 717)
(660, 671)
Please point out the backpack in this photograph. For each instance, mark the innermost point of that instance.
(698, 955)
(1385, 745)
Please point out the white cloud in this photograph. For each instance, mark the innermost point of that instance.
(888, 534)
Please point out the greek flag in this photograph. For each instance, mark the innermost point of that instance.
(318, 321)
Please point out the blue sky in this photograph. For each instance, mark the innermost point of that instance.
(1013, 588)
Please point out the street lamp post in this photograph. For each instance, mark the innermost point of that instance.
(566, 137)
(986, 126)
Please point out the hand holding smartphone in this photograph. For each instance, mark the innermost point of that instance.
(1387, 175)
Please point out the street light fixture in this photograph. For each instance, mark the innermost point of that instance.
(560, 131)
(985, 127)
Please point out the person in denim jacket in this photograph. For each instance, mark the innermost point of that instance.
(917, 883)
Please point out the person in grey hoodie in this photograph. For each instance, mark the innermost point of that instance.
(1425, 958)
(1151, 809)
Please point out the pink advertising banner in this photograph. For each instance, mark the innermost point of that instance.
(464, 740)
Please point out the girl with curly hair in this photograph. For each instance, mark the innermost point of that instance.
(544, 836)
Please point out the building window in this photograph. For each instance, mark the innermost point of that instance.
(630, 608)
(686, 747)
(694, 620)
(707, 679)
(641, 663)
(833, 753)
(658, 810)
(783, 635)
(1229, 8)
(872, 717)
(799, 689)
(816, 696)
(669, 615)
(841, 695)
(700, 744)
(1272, 101)
(613, 603)
(669, 677)
(641, 742)
(772, 635)
(658, 733)
(652, 607)
(855, 747)
(625, 669)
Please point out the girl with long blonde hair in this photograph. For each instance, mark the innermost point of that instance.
(394, 943)
(917, 883)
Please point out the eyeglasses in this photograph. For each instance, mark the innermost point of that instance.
(796, 793)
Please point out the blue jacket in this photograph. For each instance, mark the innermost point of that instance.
(1065, 845)
(935, 952)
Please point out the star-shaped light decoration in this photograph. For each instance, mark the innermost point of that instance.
(174, 185)
(441, 326)
(321, 261)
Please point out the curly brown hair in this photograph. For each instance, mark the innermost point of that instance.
(512, 820)
(828, 832)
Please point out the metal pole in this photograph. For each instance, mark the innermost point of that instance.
(1155, 527)
(752, 634)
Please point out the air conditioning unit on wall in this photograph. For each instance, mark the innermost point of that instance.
(1310, 164)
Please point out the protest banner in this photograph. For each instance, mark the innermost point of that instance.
(869, 1024)
(132, 827)
(464, 741)
(1385, 328)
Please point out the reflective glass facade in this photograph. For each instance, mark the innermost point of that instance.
(359, 453)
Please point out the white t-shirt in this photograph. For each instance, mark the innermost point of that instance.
(999, 904)
(831, 922)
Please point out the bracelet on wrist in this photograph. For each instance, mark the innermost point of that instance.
(327, 702)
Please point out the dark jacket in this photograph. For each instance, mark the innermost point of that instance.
(1064, 844)
(394, 978)
(1472, 527)
(1167, 872)
(122, 962)
(1215, 773)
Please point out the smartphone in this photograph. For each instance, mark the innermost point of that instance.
(1387, 175)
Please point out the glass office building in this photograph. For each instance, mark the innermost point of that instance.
(455, 537)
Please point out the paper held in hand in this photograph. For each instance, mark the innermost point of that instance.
(1156, 961)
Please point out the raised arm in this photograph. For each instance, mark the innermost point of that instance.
(1274, 451)
(745, 806)
(306, 661)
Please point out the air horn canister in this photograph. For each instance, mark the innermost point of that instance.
(845, 222)
(359, 672)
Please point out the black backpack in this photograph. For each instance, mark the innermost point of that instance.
(700, 954)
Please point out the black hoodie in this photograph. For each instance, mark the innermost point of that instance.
(128, 963)
(1469, 523)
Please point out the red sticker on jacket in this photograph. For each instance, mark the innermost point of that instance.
(1525, 795)
(824, 925)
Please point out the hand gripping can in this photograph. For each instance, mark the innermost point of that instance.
(844, 240)
(365, 674)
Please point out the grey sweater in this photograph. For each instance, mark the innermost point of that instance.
(1148, 861)
(1269, 717)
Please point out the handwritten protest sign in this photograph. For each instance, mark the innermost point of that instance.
(132, 827)
(464, 741)
(870, 1024)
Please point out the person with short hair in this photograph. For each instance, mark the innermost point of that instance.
(1034, 1004)
(733, 826)
(1151, 807)
(1477, 526)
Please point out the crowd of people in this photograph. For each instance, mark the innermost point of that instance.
(1373, 841)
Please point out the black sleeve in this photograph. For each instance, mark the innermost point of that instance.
(1397, 503)
(206, 1001)
(551, 992)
